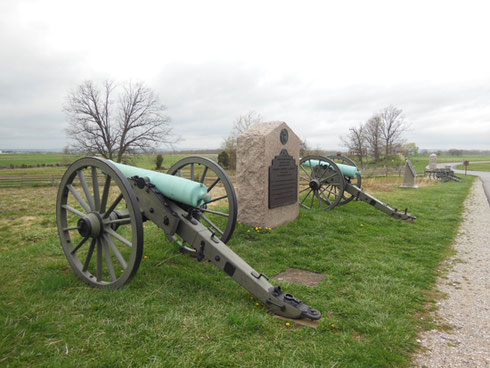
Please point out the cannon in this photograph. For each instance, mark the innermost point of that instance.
(329, 182)
(445, 174)
(102, 205)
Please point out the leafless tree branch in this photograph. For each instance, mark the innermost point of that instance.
(99, 125)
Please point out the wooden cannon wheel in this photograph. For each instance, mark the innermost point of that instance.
(220, 214)
(99, 223)
(321, 183)
(347, 197)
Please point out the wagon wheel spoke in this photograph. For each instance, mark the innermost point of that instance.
(69, 228)
(307, 174)
(99, 261)
(215, 212)
(73, 210)
(119, 237)
(322, 179)
(105, 193)
(113, 206)
(303, 190)
(108, 260)
(304, 199)
(89, 255)
(204, 174)
(217, 199)
(212, 224)
(192, 172)
(322, 194)
(95, 184)
(79, 245)
(116, 252)
(86, 189)
(213, 185)
(79, 198)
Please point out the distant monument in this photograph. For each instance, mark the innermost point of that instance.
(433, 161)
(267, 175)
(409, 178)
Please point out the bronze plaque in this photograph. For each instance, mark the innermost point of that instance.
(283, 180)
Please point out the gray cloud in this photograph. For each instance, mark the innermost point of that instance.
(204, 99)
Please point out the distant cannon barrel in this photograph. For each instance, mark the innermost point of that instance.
(174, 187)
(349, 171)
(333, 181)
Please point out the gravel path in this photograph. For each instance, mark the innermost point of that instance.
(467, 286)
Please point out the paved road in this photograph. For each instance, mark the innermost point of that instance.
(484, 175)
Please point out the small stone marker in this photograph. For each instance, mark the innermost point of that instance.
(409, 177)
(267, 175)
(433, 161)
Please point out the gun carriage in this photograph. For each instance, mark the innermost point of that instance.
(102, 205)
(329, 182)
(444, 174)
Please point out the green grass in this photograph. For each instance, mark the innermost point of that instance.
(420, 162)
(476, 167)
(178, 312)
(19, 159)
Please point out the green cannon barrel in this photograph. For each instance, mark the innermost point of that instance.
(347, 170)
(174, 187)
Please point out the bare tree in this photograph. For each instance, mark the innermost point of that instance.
(99, 125)
(372, 133)
(393, 126)
(355, 141)
(304, 148)
(243, 122)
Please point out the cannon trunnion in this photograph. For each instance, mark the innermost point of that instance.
(101, 207)
(328, 182)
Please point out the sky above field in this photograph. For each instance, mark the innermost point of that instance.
(320, 66)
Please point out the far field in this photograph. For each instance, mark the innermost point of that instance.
(476, 167)
(178, 312)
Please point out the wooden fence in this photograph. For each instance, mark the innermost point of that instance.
(16, 181)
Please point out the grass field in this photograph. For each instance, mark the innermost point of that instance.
(476, 167)
(421, 161)
(60, 161)
(178, 312)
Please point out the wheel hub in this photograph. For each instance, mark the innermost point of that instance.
(90, 225)
(315, 184)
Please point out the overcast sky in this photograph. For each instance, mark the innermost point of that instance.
(320, 66)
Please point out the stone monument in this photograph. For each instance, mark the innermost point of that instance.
(267, 175)
(409, 178)
(433, 161)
